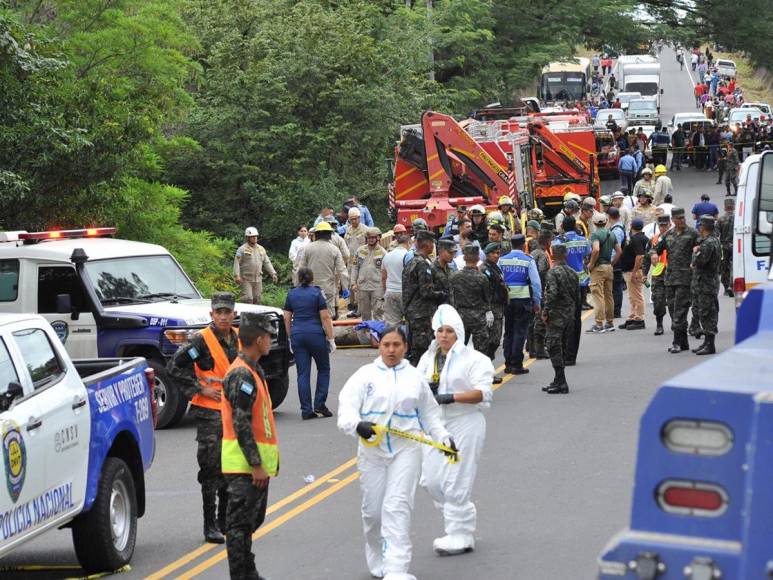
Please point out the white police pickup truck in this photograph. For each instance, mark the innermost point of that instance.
(76, 438)
(118, 298)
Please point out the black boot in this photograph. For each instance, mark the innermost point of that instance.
(701, 345)
(559, 386)
(211, 534)
(685, 343)
(708, 346)
(659, 330)
(680, 337)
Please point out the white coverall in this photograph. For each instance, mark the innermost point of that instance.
(398, 397)
(450, 485)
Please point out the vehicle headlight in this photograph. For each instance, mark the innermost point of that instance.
(180, 336)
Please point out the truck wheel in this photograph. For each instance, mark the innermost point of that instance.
(171, 405)
(104, 537)
(277, 388)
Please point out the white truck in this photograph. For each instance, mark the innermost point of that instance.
(646, 85)
(118, 298)
(77, 438)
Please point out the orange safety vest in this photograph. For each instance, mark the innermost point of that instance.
(663, 257)
(212, 378)
(263, 428)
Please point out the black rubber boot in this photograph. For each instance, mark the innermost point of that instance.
(659, 330)
(708, 346)
(701, 345)
(559, 386)
(211, 534)
(685, 342)
(680, 338)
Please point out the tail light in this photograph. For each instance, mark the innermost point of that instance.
(697, 437)
(692, 498)
(150, 376)
(739, 289)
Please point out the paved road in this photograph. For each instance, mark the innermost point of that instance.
(554, 483)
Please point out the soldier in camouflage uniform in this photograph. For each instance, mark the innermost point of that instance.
(444, 266)
(562, 294)
(472, 299)
(199, 372)
(679, 242)
(705, 280)
(540, 253)
(499, 298)
(423, 291)
(250, 454)
(658, 274)
(725, 228)
(731, 168)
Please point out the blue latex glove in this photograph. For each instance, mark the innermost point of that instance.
(345, 294)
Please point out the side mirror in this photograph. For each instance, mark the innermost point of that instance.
(14, 392)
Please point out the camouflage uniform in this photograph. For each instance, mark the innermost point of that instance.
(562, 293)
(209, 424)
(246, 503)
(537, 329)
(705, 282)
(443, 276)
(472, 299)
(731, 167)
(423, 291)
(499, 300)
(725, 227)
(679, 246)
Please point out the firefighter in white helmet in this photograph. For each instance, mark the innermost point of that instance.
(507, 208)
(249, 262)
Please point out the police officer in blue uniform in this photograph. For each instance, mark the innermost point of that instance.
(525, 293)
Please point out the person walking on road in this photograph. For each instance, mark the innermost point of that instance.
(562, 294)
(499, 299)
(732, 167)
(628, 169)
(310, 328)
(705, 271)
(249, 262)
(600, 266)
(392, 280)
(198, 369)
(327, 265)
(250, 451)
(461, 379)
(725, 228)
(525, 293)
(658, 263)
(678, 140)
(423, 292)
(366, 276)
(389, 392)
(471, 298)
(679, 242)
(631, 265)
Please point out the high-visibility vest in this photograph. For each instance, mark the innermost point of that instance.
(212, 378)
(662, 258)
(263, 427)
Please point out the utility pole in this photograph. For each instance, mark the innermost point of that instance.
(431, 55)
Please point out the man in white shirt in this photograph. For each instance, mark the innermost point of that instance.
(392, 280)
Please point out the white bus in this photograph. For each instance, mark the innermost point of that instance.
(565, 81)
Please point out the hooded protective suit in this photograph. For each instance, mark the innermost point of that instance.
(450, 485)
(398, 397)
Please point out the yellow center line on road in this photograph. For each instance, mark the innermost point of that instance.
(329, 478)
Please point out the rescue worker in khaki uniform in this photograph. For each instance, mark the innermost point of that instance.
(354, 238)
(198, 368)
(366, 276)
(249, 262)
(325, 260)
(337, 240)
(250, 451)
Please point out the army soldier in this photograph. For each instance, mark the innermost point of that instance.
(366, 276)
(499, 300)
(198, 368)
(705, 266)
(354, 237)
(250, 452)
(658, 263)
(540, 253)
(731, 167)
(444, 265)
(472, 299)
(325, 260)
(679, 243)
(562, 294)
(249, 262)
(725, 226)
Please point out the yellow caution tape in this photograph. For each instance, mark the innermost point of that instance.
(451, 454)
(126, 568)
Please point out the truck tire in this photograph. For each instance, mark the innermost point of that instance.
(171, 405)
(104, 537)
(277, 388)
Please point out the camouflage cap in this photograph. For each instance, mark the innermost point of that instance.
(492, 247)
(729, 202)
(424, 235)
(223, 300)
(706, 220)
(547, 225)
(559, 250)
(533, 224)
(447, 245)
(677, 212)
(258, 321)
(664, 219)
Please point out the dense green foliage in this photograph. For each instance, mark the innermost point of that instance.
(182, 120)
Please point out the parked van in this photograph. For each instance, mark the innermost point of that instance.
(638, 69)
(753, 224)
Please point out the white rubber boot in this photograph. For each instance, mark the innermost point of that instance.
(453, 544)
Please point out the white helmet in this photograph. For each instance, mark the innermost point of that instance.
(250, 231)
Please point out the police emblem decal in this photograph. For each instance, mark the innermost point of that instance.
(14, 458)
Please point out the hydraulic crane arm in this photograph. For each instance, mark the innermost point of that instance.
(559, 155)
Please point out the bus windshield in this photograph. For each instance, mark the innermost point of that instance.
(563, 86)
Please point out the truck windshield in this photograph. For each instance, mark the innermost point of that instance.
(649, 89)
(139, 279)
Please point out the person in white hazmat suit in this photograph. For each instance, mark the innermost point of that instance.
(461, 379)
(391, 392)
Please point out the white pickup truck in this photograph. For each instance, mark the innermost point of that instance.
(76, 439)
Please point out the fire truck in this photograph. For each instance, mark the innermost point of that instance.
(534, 158)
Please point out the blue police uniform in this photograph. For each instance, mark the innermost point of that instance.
(525, 291)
